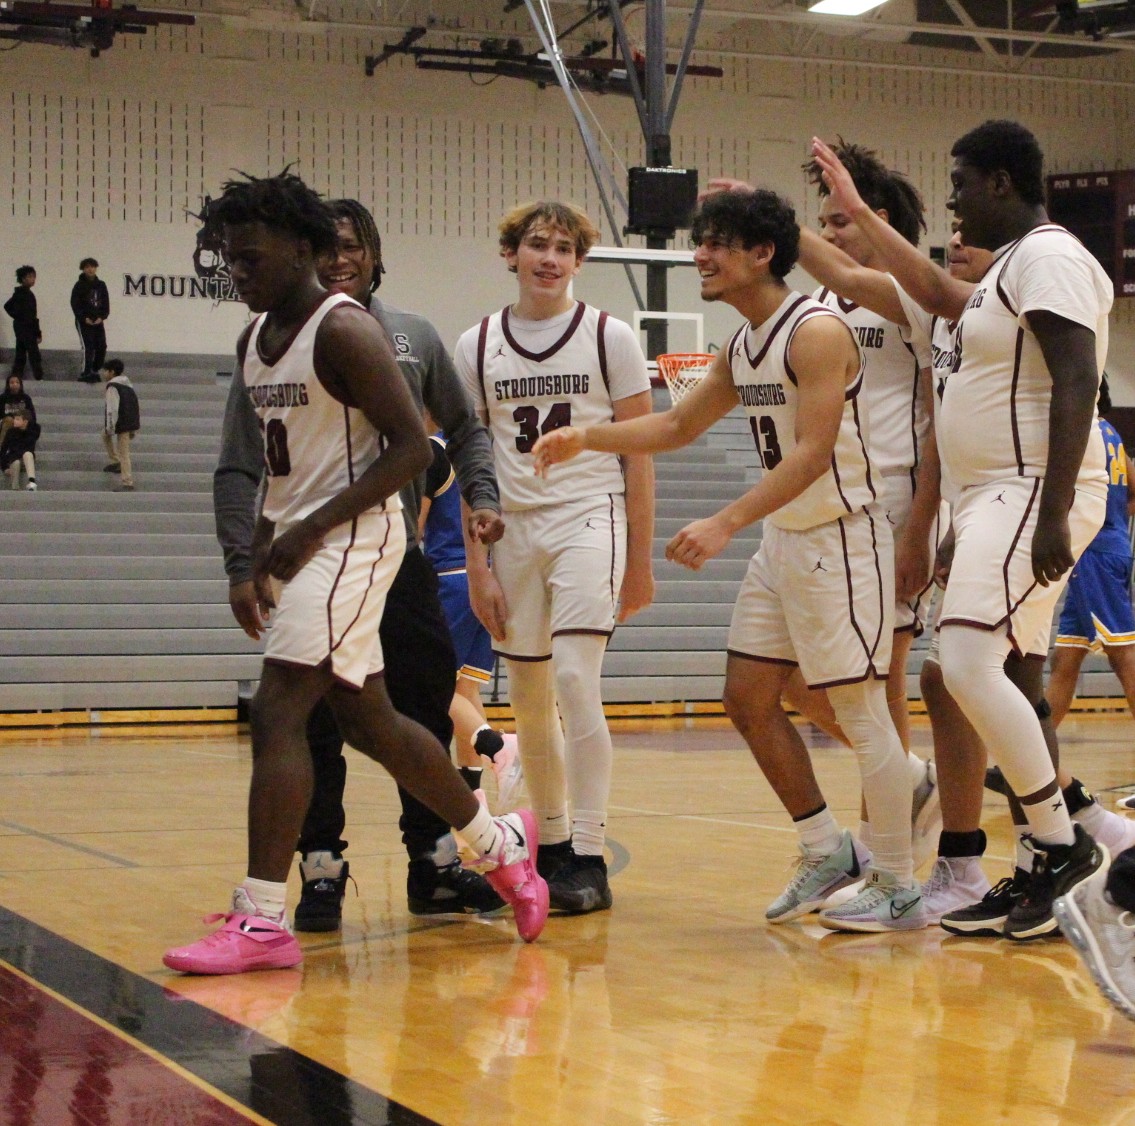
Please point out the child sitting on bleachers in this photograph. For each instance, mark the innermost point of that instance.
(18, 448)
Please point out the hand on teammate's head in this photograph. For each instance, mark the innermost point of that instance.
(723, 184)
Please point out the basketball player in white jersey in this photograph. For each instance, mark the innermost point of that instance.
(341, 436)
(576, 555)
(897, 396)
(957, 892)
(1020, 446)
(819, 593)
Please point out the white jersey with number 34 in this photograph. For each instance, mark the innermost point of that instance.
(532, 377)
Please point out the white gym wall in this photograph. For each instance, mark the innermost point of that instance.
(105, 157)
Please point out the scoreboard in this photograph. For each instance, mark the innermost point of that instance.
(1099, 209)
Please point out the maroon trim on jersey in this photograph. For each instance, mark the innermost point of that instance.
(517, 657)
(370, 580)
(482, 339)
(862, 442)
(358, 687)
(614, 549)
(772, 334)
(1009, 254)
(350, 449)
(869, 651)
(1018, 349)
(764, 660)
(282, 351)
(870, 674)
(601, 344)
(539, 357)
(583, 632)
(844, 305)
(332, 644)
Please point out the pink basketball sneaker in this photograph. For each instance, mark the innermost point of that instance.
(514, 877)
(245, 942)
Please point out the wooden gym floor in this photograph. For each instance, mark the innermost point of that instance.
(679, 1006)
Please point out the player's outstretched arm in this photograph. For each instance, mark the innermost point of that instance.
(825, 359)
(1069, 351)
(712, 398)
(840, 272)
(929, 285)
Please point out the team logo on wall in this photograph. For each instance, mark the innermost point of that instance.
(210, 280)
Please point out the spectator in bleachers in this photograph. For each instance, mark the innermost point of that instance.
(17, 449)
(14, 398)
(90, 302)
(123, 420)
(21, 307)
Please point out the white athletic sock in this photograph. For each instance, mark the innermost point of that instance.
(917, 768)
(865, 833)
(540, 740)
(884, 770)
(482, 834)
(1021, 852)
(588, 832)
(577, 662)
(820, 834)
(1049, 821)
(267, 897)
(1092, 817)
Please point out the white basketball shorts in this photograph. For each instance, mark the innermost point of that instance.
(560, 567)
(991, 581)
(332, 609)
(823, 599)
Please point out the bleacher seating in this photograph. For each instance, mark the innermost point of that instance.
(119, 601)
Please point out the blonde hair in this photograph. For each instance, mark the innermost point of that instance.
(547, 213)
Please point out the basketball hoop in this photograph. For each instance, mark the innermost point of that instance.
(682, 370)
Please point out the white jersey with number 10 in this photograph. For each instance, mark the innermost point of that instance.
(314, 445)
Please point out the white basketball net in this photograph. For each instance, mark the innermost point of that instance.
(682, 370)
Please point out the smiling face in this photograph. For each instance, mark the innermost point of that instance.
(838, 228)
(545, 263)
(265, 264)
(351, 269)
(727, 270)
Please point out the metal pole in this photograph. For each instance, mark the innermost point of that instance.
(657, 156)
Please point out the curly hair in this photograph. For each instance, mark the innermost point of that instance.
(547, 213)
(751, 218)
(365, 230)
(23, 272)
(1005, 146)
(881, 188)
(283, 203)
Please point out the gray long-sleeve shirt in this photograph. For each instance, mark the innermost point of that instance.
(433, 382)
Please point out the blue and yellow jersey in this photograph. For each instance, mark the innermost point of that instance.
(1113, 536)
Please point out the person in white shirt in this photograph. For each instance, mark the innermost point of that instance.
(1021, 450)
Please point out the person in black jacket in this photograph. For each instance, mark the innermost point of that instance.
(90, 302)
(123, 421)
(17, 449)
(12, 400)
(21, 307)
